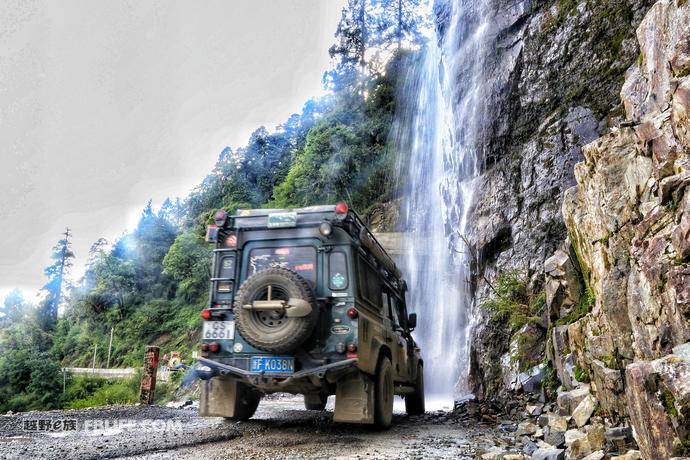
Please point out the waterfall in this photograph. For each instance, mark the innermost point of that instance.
(436, 132)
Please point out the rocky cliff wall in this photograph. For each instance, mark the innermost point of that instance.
(557, 69)
(616, 319)
(628, 220)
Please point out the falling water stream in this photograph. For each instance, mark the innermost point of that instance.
(437, 132)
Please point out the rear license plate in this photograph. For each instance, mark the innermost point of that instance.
(282, 220)
(272, 364)
(218, 330)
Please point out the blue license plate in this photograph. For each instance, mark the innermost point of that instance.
(272, 364)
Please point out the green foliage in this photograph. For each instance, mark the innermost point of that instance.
(581, 375)
(511, 301)
(96, 392)
(668, 401)
(29, 380)
(585, 305)
(187, 262)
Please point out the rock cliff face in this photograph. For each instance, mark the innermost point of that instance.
(557, 70)
(617, 313)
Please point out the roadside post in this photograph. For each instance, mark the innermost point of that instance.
(148, 376)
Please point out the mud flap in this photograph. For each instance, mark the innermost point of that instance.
(219, 397)
(354, 399)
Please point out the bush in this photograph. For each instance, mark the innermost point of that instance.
(511, 301)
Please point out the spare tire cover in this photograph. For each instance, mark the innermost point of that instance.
(272, 330)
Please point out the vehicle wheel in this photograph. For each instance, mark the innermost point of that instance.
(383, 394)
(246, 402)
(315, 401)
(414, 402)
(272, 330)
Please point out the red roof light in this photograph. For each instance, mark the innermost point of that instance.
(341, 208)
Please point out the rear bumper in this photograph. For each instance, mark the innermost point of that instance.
(273, 382)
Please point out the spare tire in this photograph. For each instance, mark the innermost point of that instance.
(274, 330)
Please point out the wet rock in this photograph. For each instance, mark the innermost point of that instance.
(584, 410)
(548, 454)
(658, 397)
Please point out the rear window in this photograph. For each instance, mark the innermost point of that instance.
(301, 259)
(337, 271)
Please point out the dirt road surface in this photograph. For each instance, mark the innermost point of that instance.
(281, 429)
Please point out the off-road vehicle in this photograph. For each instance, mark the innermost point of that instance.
(306, 301)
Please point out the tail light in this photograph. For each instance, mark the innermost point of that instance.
(213, 347)
(206, 314)
(352, 313)
(341, 208)
(220, 217)
(351, 348)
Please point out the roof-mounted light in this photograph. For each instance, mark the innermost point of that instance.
(341, 208)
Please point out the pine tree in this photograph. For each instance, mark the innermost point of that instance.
(56, 273)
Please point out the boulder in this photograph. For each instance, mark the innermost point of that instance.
(513, 457)
(555, 438)
(598, 455)
(658, 397)
(548, 454)
(584, 410)
(568, 400)
(557, 422)
(618, 439)
(526, 428)
(630, 455)
(574, 435)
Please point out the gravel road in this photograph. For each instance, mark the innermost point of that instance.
(280, 429)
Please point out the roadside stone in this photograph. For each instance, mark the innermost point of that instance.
(548, 454)
(596, 436)
(573, 435)
(533, 411)
(539, 433)
(530, 448)
(598, 455)
(618, 438)
(568, 400)
(630, 455)
(543, 420)
(494, 454)
(558, 422)
(526, 428)
(513, 457)
(584, 410)
(555, 438)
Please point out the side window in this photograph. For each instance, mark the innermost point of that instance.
(369, 284)
(397, 312)
(337, 271)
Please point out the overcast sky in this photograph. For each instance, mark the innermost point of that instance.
(105, 104)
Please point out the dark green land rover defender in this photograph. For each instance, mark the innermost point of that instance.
(306, 301)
